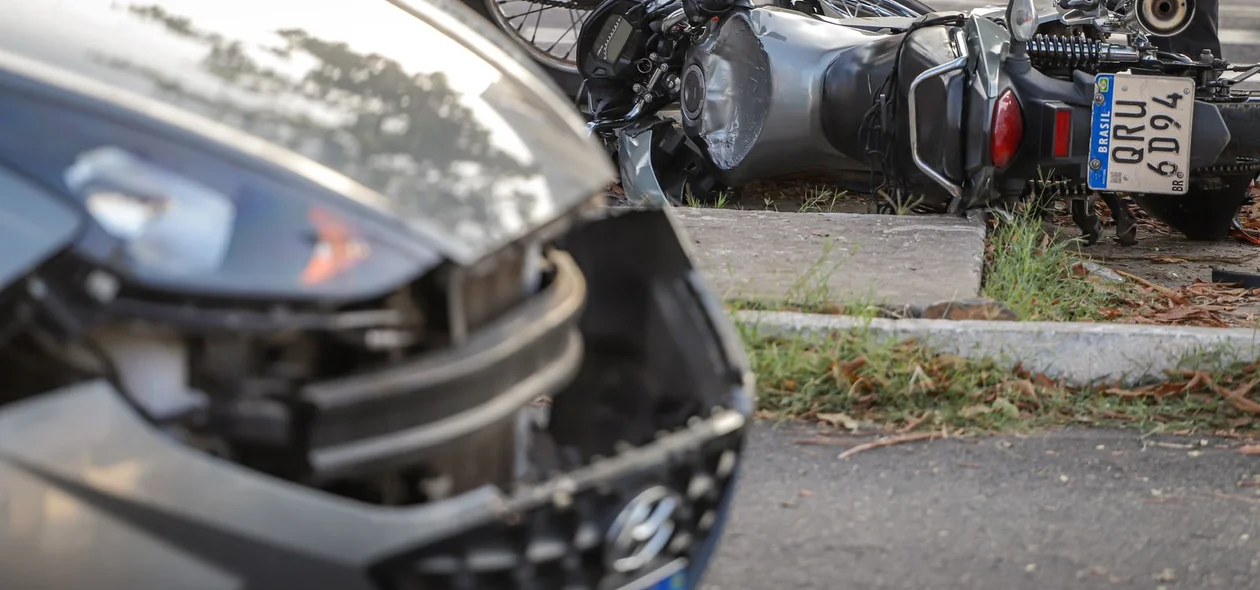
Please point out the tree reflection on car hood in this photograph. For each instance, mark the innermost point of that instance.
(448, 137)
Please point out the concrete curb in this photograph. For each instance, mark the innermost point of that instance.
(773, 256)
(1078, 353)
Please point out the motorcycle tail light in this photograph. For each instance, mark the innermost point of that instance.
(1008, 129)
(1062, 133)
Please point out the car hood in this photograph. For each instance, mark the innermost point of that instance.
(449, 133)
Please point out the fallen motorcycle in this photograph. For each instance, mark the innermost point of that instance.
(949, 111)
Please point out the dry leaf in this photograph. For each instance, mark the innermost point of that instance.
(950, 361)
(1024, 387)
(1006, 407)
(976, 410)
(839, 419)
(1250, 450)
(1239, 400)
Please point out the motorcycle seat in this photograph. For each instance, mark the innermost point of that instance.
(887, 24)
(883, 24)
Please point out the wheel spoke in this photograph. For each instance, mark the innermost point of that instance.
(577, 25)
(548, 42)
(516, 22)
(557, 41)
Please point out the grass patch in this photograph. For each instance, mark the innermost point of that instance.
(1036, 276)
(820, 200)
(855, 377)
(721, 201)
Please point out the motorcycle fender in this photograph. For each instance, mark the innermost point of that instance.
(1209, 136)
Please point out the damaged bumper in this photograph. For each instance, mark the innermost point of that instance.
(654, 422)
(629, 469)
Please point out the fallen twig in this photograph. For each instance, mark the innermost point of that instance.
(888, 442)
(1222, 496)
(1249, 449)
(1162, 290)
(914, 423)
(823, 442)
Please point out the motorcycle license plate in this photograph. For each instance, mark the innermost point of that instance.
(1140, 135)
(672, 576)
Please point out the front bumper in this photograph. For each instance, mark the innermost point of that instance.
(662, 401)
(662, 397)
(555, 535)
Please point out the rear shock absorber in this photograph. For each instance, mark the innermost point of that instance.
(1062, 51)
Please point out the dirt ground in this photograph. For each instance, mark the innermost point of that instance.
(1171, 260)
(1163, 256)
(1177, 271)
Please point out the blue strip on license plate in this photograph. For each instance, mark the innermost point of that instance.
(1104, 86)
(670, 577)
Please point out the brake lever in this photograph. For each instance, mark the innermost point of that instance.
(1247, 72)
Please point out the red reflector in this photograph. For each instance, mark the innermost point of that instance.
(1008, 129)
(1062, 133)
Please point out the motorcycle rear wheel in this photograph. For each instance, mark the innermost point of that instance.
(877, 8)
(558, 57)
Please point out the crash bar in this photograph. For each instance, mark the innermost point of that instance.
(958, 63)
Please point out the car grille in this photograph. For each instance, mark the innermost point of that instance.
(439, 408)
(558, 541)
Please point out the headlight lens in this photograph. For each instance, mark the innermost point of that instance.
(169, 223)
(175, 212)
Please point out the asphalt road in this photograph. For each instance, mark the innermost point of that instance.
(1078, 509)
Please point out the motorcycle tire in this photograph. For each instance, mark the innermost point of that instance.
(1243, 121)
(568, 79)
(1206, 215)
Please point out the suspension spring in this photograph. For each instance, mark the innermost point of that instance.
(1061, 51)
